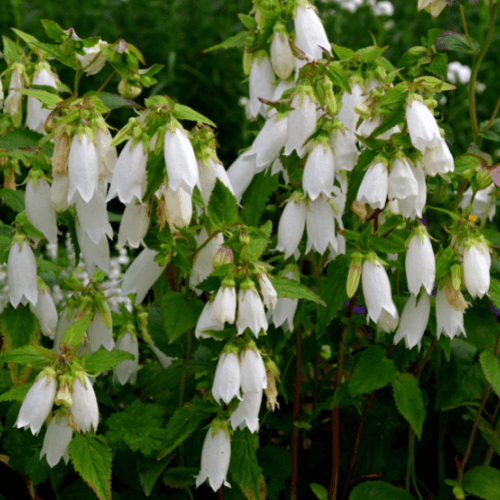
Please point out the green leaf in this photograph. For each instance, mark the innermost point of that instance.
(493, 133)
(20, 326)
(182, 424)
(337, 76)
(182, 112)
(409, 401)
(16, 394)
(396, 116)
(392, 243)
(494, 292)
(5, 244)
(116, 101)
(29, 355)
(11, 51)
(491, 369)
(275, 461)
(47, 98)
(180, 477)
(490, 436)
(244, 467)
(378, 490)
(103, 360)
(91, 458)
(439, 65)
(237, 41)
(53, 30)
(155, 174)
(248, 21)
(482, 481)
(179, 314)
(373, 371)
(396, 95)
(456, 42)
(256, 197)
(342, 52)
(222, 206)
(74, 334)
(294, 290)
(481, 327)
(139, 426)
(149, 470)
(13, 199)
(320, 491)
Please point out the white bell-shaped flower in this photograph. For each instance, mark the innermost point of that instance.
(422, 126)
(179, 207)
(59, 193)
(39, 209)
(320, 225)
(247, 412)
(481, 206)
(268, 291)
(438, 160)
(374, 186)
(134, 224)
(208, 175)
(278, 92)
(301, 124)
(21, 275)
(93, 60)
(420, 265)
(414, 321)
(253, 371)
(285, 309)
(377, 291)
(282, 58)
(83, 169)
(35, 114)
(345, 149)
(412, 206)
(402, 182)
(205, 322)
(37, 404)
(126, 371)
(106, 154)
(347, 114)
(224, 305)
(93, 254)
(84, 409)
(99, 334)
(56, 441)
(129, 176)
(142, 275)
(291, 227)
(251, 312)
(215, 458)
(241, 172)
(12, 104)
(46, 313)
(310, 34)
(180, 161)
(260, 85)
(319, 172)
(227, 378)
(477, 263)
(449, 320)
(388, 322)
(93, 216)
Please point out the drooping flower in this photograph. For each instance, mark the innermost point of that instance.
(282, 58)
(240, 173)
(99, 334)
(46, 312)
(320, 225)
(12, 104)
(93, 60)
(420, 264)
(319, 172)
(253, 371)
(477, 263)
(268, 291)
(285, 309)
(291, 227)
(481, 206)
(93, 216)
(126, 371)
(205, 322)
(179, 207)
(227, 378)
(134, 224)
(93, 253)
(59, 193)
(374, 186)
(412, 206)
(224, 305)
(251, 312)
(247, 412)
(84, 410)
(208, 175)
(310, 34)
(203, 259)
(438, 160)
(106, 154)
(301, 124)
(402, 182)
(36, 115)
(56, 441)
(347, 114)
(414, 321)
(345, 149)
(260, 85)
(21, 274)
(450, 321)
(422, 126)
(39, 209)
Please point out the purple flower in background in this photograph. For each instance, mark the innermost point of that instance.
(357, 308)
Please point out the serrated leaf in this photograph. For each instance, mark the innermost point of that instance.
(378, 490)
(491, 369)
(29, 355)
(390, 244)
(372, 372)
(91, 458)
(149, 470)
(237, 41)
(490, 436)
(73, 335)
(294, 290)
(396, 116)
(396, 95)
(53, 30)
(180, 477)
(10, 50)
(482, 481)
(338, 77)
(16, 394)
(47, 98)
(222, 206)
(456, 42)
(248, 21)
(116, 101)
(409, 401)
(103, 360)
(256, 196)
(182, 112)
(20, 326)
(342, 52)
(13, 199)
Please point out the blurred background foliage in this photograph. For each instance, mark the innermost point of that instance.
(175, 32)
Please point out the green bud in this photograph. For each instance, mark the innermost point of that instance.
(128, 90)
(244, 238)
(64, 394)
(483, 179)
(354, 274)
(224, 255)
(456, 276)
(458, 492)
(331, 102)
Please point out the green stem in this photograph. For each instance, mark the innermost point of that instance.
(464, 22)
(78, 76)
(108, 79)
(489, 455)
(53, 484)
(16, 10)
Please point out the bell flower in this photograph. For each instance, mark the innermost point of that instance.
(374, 186)
(93, 254)
(291, 227)
(260, 85)
(126, 371)
(241, 173)
(320, 226)
(402, 182)
(12, 104)
(412, 206)
(251, 312)
(388, 322)
(56, 441)
(36, 116)
(215, 458)
(205, 322)
(301, 124)
(208, 175)
(46, 312)
(21, 274)
(39, 209)
(476, 265)
(247, 412)
(99, 334)
(347, 114)
(179, 207)
(481, 206)
(224, 305)
(310, 35)
(285, 309)
(449, 320)
(93, 60)
(319, 172)
(106, 154)
(93, 216)
(420, 263)
(278, 92)
(268, 291)
(83, 169)
(345, 150)
(282, 58)
(134, 224)
(59, 193)
(414, 321)
(84, 409)
(37, 404)
(253, 371)
(227, 379)
(129, 178)
(438, 160)
(422, 126)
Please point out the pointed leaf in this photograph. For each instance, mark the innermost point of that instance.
(483, 482)
(378, 490)
(491, 368)
(222, 206)
(103, 360)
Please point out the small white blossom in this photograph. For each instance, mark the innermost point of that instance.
(260, 83)
(251, 312)
(477, 263)
(310, 34)
(374, 186)
(291, 227)
(247, 412)
(414, 321)
(319, 172)
(46, 313)
(422, 126)
(301, 124)
(84, 409)
(320, 223)
(126, 371)
(241, 172)
(36, 116)
(56, 441)
(224, 305)
(438, 160)
(282, 58)
(205, 322)
(268, 291)
(134, 224)
(227, 378)
(21, 275)
(39, 209)
(449, 320)
(402, 182)
(420, 265)
(253, 371)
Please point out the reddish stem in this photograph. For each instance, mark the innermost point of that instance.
(296, 410)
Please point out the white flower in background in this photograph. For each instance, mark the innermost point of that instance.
(93, 60)
(84, 409)
(36, 116)
(301, 124)
(93, 254)
(129, 178)
(319, 172)
(134, 224)
(251, 312)
(37, 404)
(457, 71)
(320, 226)
(21, 274)
(83, 169)
(347, 114)
(402, 182)
(414, 320)
(227, 378)
(208, 175)
(46, 312)
(377, 291)
(240, 174)
(12, 104)
(126, 371)
(374, 186)
(412, 206)
(247, 412)
(179, 207)
(268, 291)
(350, 5)
(224, 305)
(422, 126)
(39, 209)
(93, 216)
(205, 322)
(253, 371)
(285, 309)
(477, 263)
(142, 275)
(310, 34)
(180, 160)
(282, 58)
(438, 160)
(384, 8)
(260, 83)
(99, 334)
(59, 193)
(345, 150)
(215, 458)
(56, 441)
(420, 264)
(203, 260)
(482, 206)
(449, 320)
(106, 154)
(291, 227)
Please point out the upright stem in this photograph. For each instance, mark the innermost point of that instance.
(78, 75)
(184, 367)
(296, 410)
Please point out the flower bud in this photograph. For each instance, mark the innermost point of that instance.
(483, 179)
(282, 58)
(223, 256)
(84, 410)
(354, 274)
(128, 90)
